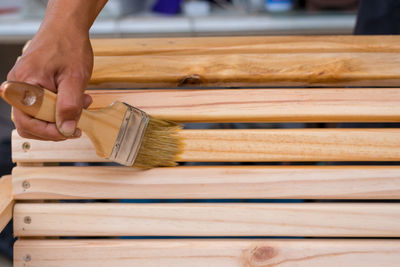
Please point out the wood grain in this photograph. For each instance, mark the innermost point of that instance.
(282, 182)
(244, 45)
(241, 145)
(247, 70)
(6, 201)
(208, 219)
(200, 253)
(260, 105)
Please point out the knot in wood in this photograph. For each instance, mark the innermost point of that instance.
(262, 254)
(191, 80)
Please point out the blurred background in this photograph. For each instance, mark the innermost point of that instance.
(20, 19)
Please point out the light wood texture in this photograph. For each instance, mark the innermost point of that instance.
(261, 105)
(6, 201)
(244, 45)
(208, 219)
(242, 145)
(295, 182)
(200, 253)
(247, 70)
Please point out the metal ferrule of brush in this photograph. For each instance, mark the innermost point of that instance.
(127, 145)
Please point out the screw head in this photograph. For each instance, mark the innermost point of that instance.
(27, 257)
(26, 146)
(26, 184)
(27, 219)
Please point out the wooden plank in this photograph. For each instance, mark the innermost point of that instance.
(199, 253)
(247, 70)
(6, 201)
(261, 105)
(242, 145)
(244, 45)
(282, 182)
(208, 219)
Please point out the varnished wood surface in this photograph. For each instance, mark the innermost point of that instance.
(244, 45)
(202, 182)
(247, 70)
(200, 253)
(208, 219)
(241, 146)
(260, 105)
(6, 201)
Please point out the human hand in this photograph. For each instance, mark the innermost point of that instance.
(62, 63)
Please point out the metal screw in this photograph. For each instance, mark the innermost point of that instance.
(27, 219)
(26, 146)
(27, 257)
(26, 185)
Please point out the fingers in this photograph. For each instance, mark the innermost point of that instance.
(32, 128)
(87, 101)
(70, 101)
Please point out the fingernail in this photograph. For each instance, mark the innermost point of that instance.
(77, 133)
(68, 128)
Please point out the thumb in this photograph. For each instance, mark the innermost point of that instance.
(70, 100)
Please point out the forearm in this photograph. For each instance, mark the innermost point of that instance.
(71, 16)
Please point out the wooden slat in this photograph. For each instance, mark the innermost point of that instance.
(200, 253)
(247, 70)
(6, 201)
(261, 105)
(242, 145)
(208, 219)
(295, 182)
(244, 45)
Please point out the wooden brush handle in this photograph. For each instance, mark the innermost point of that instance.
(102, 126)
(31, 99)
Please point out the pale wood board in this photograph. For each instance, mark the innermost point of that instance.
(208, 219)
(6, 201)
(196, 182)
(244, 45)
(200, 253)
(260, 105)
(241, 145)
(247, 70)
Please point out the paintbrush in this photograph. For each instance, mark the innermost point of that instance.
(120, 132)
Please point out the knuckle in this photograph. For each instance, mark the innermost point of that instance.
(78, 73)
(69, 108)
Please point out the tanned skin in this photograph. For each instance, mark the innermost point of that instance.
(59, 58)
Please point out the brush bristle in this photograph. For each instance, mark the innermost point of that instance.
(160, 145)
